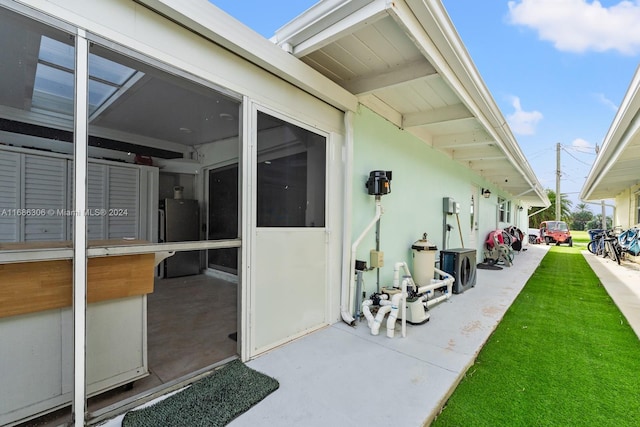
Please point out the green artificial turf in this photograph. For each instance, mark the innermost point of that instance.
(580, 238)
(563, 355)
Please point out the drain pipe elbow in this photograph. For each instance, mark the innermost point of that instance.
(347, 317)
(366, 310)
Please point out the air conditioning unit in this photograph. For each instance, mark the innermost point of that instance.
(461, 264)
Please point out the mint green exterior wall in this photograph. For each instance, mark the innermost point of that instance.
(422, 177)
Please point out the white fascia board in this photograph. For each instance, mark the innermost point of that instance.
(328, 29)
(317, 19)
(620, 133)
(427, 21)
(212, 23)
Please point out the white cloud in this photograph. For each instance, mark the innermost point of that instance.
(580, 25)
(606, 101)
(582, 146)
(523, 122)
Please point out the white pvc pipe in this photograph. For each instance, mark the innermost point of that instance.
(435, 301)
(382, 311)
(448, 279)
(347, 262)
(396, 273)
(367, 312)
(405, 285)
(393, 315)
(347, 316)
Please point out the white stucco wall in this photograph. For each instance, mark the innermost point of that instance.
(422, 177)
(626, 208)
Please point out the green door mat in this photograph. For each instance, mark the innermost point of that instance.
(212, 401)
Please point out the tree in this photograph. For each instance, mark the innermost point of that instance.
(581, 217)
(596, 222)
(549, 214)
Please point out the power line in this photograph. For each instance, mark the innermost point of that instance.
(591, 150)
(575, 158)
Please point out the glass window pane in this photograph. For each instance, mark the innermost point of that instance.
(290, 175)
(56, 53)
(35, 319)
(98, 94)
(53, 90)
(110, 71)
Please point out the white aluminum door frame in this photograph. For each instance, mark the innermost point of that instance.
(250, 299)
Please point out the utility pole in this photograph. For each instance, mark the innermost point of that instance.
(558, 195)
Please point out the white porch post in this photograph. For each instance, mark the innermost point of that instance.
(80, 228)
(246, 166)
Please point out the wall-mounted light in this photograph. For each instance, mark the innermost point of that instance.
(486, 193)
(520, 208)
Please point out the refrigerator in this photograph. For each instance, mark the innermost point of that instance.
(180, 221)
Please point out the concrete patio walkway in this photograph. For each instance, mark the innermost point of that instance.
(342, 376)
(622, 283)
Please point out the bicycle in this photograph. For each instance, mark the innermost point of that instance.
(612, 248)
(596, 245)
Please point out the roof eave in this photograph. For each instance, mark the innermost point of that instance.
(215, 25)
(625, 125)
(478, 98)
(428, 24)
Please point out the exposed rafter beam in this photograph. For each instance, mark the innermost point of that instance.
(460, 140)
(400, 74)
(475, 155)
(380, 107)
(439, 115)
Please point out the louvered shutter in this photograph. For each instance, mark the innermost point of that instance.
(45, 188)
(9, 196)
(123, 202)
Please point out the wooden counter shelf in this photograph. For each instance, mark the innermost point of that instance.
(28, 287)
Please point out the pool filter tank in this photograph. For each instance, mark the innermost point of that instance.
(424, 260)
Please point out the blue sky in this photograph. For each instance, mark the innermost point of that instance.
(557, 69)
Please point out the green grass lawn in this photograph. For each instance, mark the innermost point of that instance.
(563, 355)
(580, 239)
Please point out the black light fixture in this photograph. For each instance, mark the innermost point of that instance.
(486, 193)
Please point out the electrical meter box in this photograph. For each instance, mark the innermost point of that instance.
(377, 259)
(449, 205)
